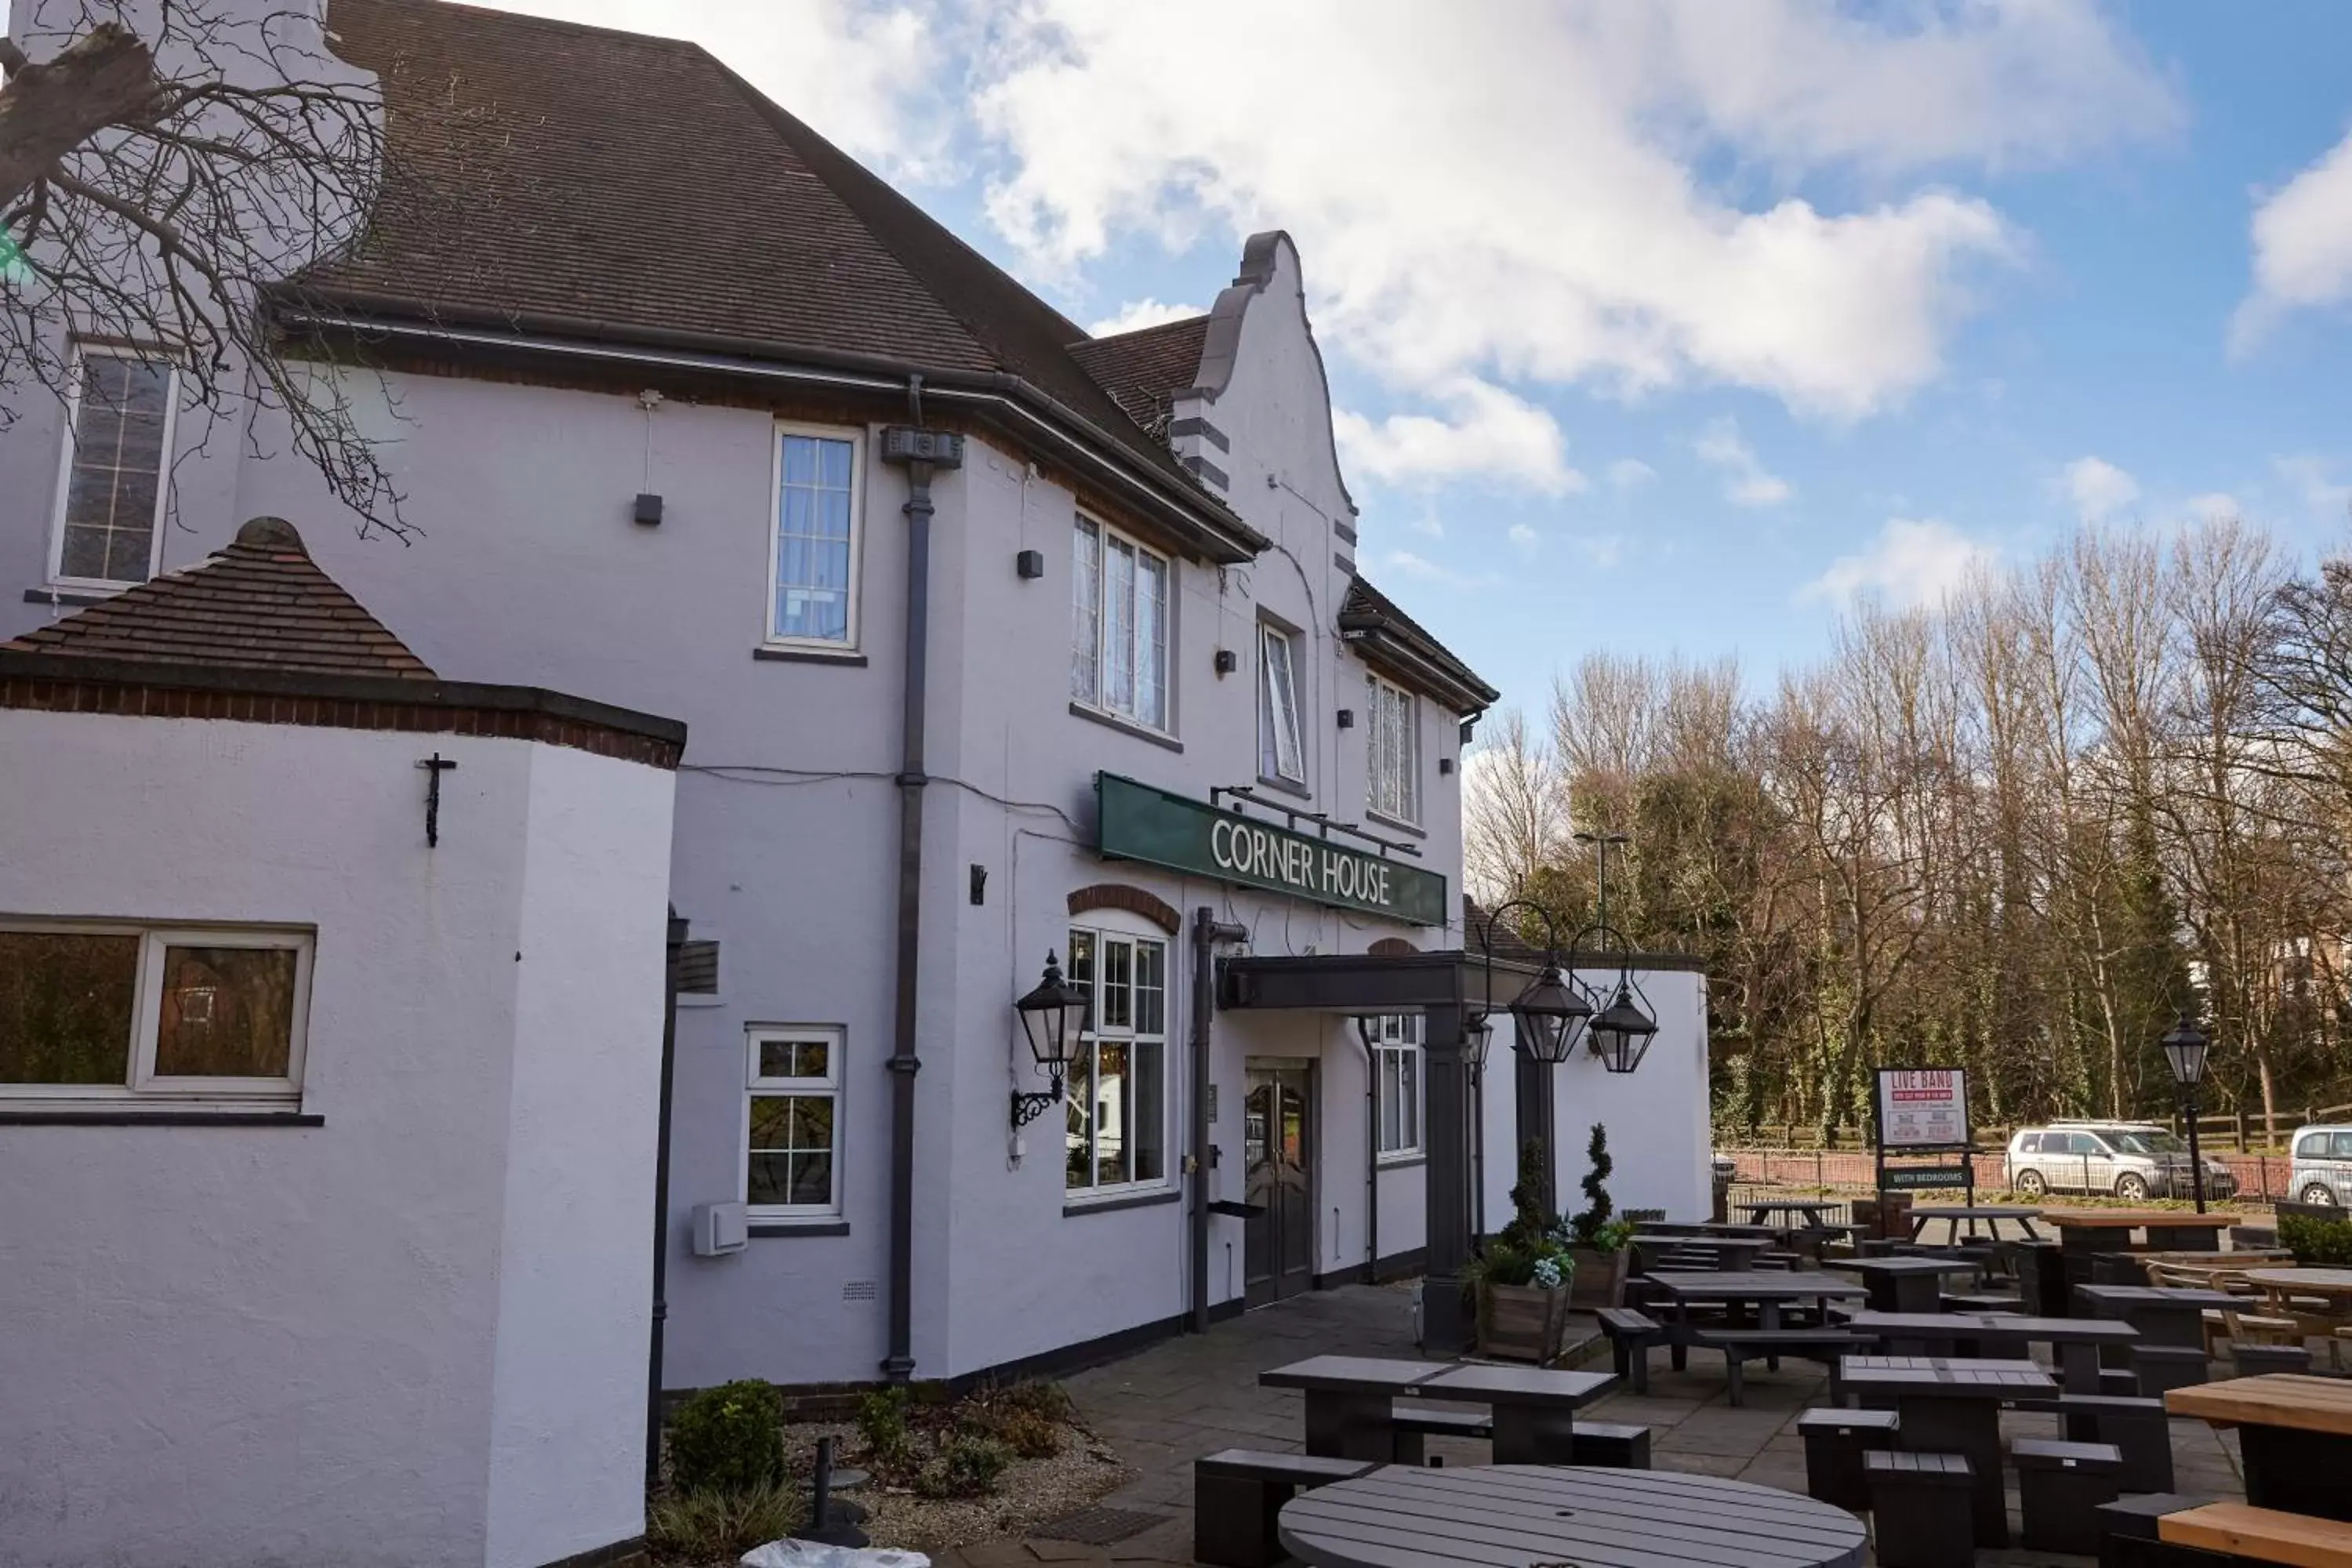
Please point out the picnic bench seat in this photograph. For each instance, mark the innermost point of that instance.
(1920, 1508)
(2134, 1424)
(2128, 1528)
(1813, 1344)
(1612, 1444)
(1981, 1301)
(1237, 1497)
(1411, 1420)
(1631, 1333)
(2262, 1534)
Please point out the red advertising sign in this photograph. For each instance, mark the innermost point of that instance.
(1921, 1109)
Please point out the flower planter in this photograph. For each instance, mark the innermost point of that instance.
(1523, 1323)
(1599, 1279)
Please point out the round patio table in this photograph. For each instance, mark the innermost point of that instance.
(1514, 1516)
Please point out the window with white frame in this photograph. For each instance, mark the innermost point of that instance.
(1279, 755)
(791, 1122)
(1117, 1086)
(114, 471)
(812, 558)
(171, 1013)
(1392, 752)
(1396, 1064)
(1119, 612)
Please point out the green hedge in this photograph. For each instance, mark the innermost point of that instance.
(2317, 1243)
(729, 1438)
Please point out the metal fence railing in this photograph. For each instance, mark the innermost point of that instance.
(1761, 1174)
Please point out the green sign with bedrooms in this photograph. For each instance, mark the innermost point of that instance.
(1137, 821)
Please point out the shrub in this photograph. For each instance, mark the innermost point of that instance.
(967, 1465)
(729, 1438)
(704, 1526)
(882, 1422)
(1027, 1417)
(2317, 1243)
(1030, 1434)
(1593, 1221)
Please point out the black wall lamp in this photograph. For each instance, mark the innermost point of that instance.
(1053, 1016)
(1549, 1016)
(1622, 1029)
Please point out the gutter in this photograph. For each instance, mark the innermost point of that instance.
(1220, 535)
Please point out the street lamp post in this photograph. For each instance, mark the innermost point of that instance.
(2185, 1050)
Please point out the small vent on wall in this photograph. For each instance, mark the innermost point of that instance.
(698, 968)
(861, 1291)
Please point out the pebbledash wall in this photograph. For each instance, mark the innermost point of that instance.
(410, 1328)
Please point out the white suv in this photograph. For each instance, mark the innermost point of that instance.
(2134, 1160)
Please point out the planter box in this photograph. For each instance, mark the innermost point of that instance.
(1523, 1323)
(1599, 1279)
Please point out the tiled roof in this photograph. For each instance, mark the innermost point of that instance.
(621, 185)
(1477, 924)
(262, 603)
(1144, 370)
(1368, 615)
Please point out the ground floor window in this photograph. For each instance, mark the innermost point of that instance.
(117, 1012)
(792, 1144)
(1396, 1056)
(1118, 1085)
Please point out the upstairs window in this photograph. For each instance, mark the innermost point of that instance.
(117, 458)
(1278, 752)
(812, 558)
(1118, 625)
(116, 1013)
(1393, 753)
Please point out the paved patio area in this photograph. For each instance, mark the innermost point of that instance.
(1166, 1406)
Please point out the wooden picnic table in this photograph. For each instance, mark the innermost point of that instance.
(2164, 1315)
(1811, 1208)
(2110, 1230)
(2074, 1342)
(2333, 1285)
(1532, 1405)
(1906, 1282)
(1950, 1404)
(1349, 1400)
(1991, 1215)
(2294, 1437)
(1509, 1516)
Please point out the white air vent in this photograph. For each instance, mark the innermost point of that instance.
(720, 1229)
(861, 1291)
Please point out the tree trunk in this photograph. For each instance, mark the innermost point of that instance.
(107, 76)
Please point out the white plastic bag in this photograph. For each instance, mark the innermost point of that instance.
(809, 1554)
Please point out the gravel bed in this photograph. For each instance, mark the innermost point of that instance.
(1029, 1492)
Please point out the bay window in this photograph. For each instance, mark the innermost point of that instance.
(1120, 607)
(1117, 1107)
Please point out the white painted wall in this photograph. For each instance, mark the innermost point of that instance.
(231, 1345)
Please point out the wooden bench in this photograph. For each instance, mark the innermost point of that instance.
(1981, 1301)
(1411, 1420)
(2262, 1534)
(2134, 1424)
(2128, 1528)
(1631, 1334)
(1237, 1497)
(1815, 1344)
(1921, 1509)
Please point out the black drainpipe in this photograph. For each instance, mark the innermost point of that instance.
(661, 1207)
(1207, 931)
(923, 453)
(1371, 1153)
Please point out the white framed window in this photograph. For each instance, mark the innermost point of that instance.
(114, 475)
(122, 1012)
(813, 549)
(1396, 1064)
(1120, 609)
(1116, 1093)
(792, 1121)
(1279, 755)
(1393, 752)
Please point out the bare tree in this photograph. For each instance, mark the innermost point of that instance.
(167, 167)
(1514, 817)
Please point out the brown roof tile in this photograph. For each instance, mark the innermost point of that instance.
(1371, 619)
(262, 603)
(1144, 371)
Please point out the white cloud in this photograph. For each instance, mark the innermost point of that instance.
(2213, 505)
(2314, 484)
(2096, 487)
(1631, 267)
(1912, 562)
(1487, 432)
(1604, 550)
(2302, 247)
(1629, 473)
(1524, 540)
(1406, 563)
(1137, 314)
(1746, 482)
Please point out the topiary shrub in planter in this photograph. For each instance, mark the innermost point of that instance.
(1520, 1284)
(1600, 1248)
(729, 1438)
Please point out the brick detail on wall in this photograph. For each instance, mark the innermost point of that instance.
(41, 694)
(1134, 900)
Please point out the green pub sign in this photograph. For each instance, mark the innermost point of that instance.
(1136, 822)
(1923, 1178)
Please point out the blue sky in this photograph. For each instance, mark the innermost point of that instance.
(1670, 325)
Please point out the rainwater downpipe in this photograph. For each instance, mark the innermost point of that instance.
(1207, 931)
(677, 943)
(1372, 1152)
(921, 457)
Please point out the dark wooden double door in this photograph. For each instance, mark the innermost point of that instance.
(1278, 1183)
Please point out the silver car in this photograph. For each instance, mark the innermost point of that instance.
(2323, 1166)
(2133, 1159)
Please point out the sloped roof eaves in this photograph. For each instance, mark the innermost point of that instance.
(1371, 620)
